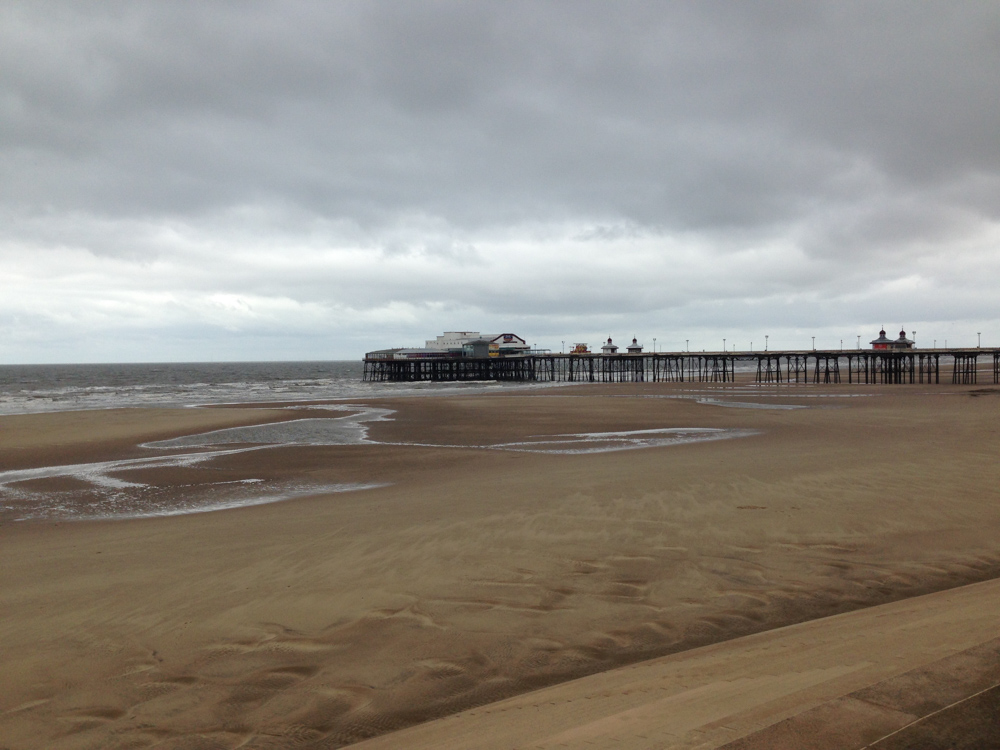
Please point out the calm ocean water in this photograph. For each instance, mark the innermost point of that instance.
(26, 389)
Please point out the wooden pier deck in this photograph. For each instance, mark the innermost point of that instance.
(856, 366)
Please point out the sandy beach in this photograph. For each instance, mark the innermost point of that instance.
(491, 561)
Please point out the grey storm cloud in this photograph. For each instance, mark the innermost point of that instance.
(556, 164)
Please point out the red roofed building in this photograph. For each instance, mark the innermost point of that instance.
(883, 342)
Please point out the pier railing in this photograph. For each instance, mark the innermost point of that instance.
(857, 366)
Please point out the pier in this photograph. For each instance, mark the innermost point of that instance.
(856, 366)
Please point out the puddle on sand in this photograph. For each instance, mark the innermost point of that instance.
(346, 430)
(351, 430)
(105, 490)
(606, 442)
(100, 491)
(146, 501)
(93, 491)
(749, 405)
(717, 394)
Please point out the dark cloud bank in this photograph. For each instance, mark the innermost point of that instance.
(308, 180)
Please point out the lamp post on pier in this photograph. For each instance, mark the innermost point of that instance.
(687, 344)
(979, 340)
(814, 343)
(724, 345)
(766, 336)
(563, 347)
(859, 341)
(654, 344)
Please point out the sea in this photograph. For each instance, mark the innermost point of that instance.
(29, 389)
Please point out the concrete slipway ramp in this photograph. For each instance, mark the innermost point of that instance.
(922, 672)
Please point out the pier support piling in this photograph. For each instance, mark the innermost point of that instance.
(863, 367)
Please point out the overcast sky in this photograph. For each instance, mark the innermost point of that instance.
(185, 181)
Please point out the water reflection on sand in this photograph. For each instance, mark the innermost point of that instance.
(111, 489)
(604, 442)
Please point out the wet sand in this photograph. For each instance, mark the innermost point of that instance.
(475, 574)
